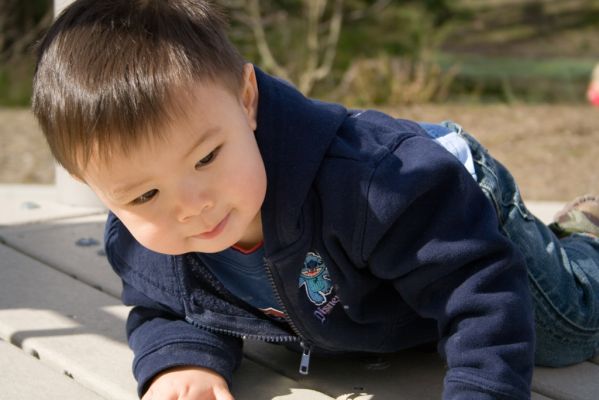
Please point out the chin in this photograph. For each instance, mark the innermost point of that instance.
(207, 247)
(169, 252)
(188, 245)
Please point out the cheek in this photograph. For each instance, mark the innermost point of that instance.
(250, 179)
(249, 190)
(149, 237)
(154, 235)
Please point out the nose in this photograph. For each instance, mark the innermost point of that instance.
(192, 202)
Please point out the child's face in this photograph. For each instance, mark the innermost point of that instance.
(201, 188)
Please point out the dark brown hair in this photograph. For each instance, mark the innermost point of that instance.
(110, 73)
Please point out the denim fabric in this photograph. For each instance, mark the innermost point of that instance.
(563, 274)
(452, 142)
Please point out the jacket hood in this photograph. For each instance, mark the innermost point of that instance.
(288, 123)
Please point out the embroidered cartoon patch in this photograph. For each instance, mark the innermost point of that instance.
(315, 278)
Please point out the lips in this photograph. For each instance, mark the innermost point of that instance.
(214, 231)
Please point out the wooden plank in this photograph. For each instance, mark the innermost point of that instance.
(74, 246)
(23, 204)
(577, 382)
(70, 326)
(409, 375)
(253, 381)
(25, 378)
(537, 396)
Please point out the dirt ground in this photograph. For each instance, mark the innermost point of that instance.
(553, 151)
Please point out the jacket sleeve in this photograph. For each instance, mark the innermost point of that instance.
(157, 331)
(431, 231)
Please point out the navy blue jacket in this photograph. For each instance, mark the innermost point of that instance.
(376, 239)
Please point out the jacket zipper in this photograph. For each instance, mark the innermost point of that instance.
(305, 345)
(305, 361)
(207, 275)
(241, 335)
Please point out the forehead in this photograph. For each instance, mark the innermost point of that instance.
(186, 111)
(197, 116)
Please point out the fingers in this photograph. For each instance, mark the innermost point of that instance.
(220, 393)
(188, 383)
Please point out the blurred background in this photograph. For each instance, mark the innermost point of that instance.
(515, 73)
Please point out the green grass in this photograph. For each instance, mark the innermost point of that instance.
(509, 79)
(490, 67)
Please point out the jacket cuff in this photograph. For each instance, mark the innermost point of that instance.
(180, 354)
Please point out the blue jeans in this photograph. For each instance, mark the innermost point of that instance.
(563, 273)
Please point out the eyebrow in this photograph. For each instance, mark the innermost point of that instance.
(208, 133)
(120, 191)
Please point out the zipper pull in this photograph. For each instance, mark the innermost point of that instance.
(305, 362)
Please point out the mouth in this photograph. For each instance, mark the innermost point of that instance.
(212, 233)
(311, 272)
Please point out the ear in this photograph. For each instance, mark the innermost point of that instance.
(249, 95)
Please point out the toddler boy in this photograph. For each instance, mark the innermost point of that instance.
(242, 210)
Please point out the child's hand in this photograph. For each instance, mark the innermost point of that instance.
(188, 383)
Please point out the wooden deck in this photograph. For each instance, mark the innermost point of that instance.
(62, 326)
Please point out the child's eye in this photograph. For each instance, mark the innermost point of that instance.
(208, 159)
(144, 198)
